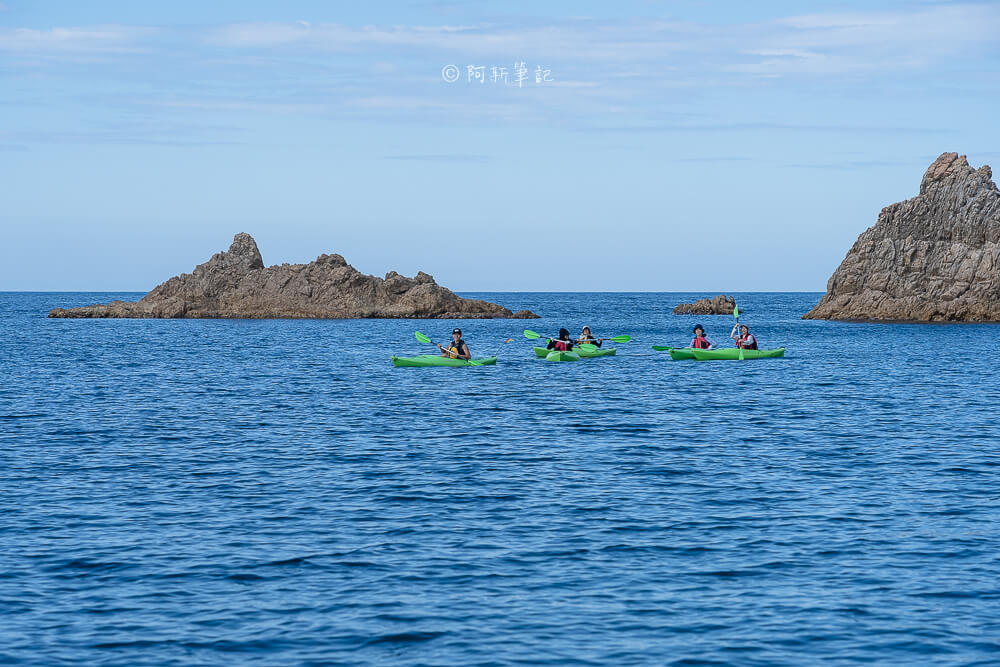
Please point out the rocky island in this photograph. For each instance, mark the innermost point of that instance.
(717, 305)
(932, 258)
(235, 284)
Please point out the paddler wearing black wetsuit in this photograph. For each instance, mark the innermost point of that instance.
(457, 349)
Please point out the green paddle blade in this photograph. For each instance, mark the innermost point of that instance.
(528, 333)
(661, 348)
(621, 339)
(422, 338)
(587, 347)
(736, 312)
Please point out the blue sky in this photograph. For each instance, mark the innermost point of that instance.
(683, 145)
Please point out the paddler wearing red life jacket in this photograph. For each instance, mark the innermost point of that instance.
(561, 344)
(744, 339)
(457, 349)
(700, 342)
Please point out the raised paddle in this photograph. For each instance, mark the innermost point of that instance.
(736, 314)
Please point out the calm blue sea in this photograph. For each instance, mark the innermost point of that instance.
(275, 492)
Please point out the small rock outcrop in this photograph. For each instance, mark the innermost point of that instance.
(932, 258)
(235, 284)
(717, 305)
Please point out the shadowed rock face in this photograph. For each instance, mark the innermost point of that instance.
(933, 258)
(717, 305)
(235, 284)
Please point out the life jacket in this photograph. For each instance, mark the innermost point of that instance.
(700, 343)
(589, 339)
(562, 345)
(747, 342)
(456, 347)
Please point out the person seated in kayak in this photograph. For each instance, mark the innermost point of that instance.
(457, 349)
(700, 342)
(561, 344)
(587, 337)
(744, 339)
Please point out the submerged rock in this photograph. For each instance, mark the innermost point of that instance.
(717, 305)
(932, 258)
(236, 284)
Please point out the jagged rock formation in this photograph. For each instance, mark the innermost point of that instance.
(717, 305)
(933, 258)
(236, 284)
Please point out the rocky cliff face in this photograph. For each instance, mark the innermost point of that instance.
(717, 305)
(933, 258)
(236, 284)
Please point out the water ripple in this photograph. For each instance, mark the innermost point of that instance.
(274, 492)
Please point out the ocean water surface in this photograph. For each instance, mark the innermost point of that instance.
(217, 492)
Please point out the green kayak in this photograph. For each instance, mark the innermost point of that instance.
(425, 360)
(681, 353)
(599, 352)
(555, 355)
(543, 352)
(734, 353)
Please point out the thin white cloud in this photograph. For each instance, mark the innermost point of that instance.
(831, 42)
(633, 75)
(806, 44)
(103, 39)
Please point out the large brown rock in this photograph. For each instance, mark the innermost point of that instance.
(933, 258)
(236, 284)
(717, 305)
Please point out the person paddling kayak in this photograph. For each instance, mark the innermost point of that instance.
(700, 342)
(561, 344)
(744, 339)
(587, 337)
(457, 349)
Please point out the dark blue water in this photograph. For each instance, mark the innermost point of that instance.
(275, 492)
